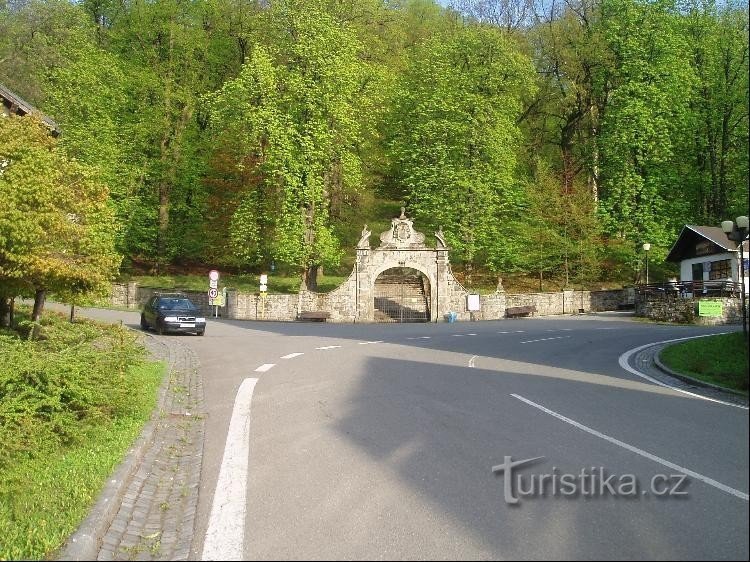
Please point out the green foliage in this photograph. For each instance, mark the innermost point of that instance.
(453, 138)
(56, 224)
(650, 85)
(70, 406)
(291, 112)
(237, 132)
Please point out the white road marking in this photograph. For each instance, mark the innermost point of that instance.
(265, 367)
(291, 355)
(329, 347)
(637, 451)
(457, 335)
(424, 337)
(471, 334)
(520, 331)
(625, 357)
(503, 332)
(369, 342)
(547, 339)
(225, 534)
(471, 361)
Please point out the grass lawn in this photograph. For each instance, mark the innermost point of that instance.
(70, 407)
(721, 360)
(244, 283)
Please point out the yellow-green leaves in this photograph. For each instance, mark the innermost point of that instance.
(56, 224)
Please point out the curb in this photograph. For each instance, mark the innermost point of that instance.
(697, 382)
(85, 542)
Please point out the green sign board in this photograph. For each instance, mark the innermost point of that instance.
(710, 308)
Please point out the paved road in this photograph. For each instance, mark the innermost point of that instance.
(378, 442)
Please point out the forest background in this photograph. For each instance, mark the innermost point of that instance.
(547, 138)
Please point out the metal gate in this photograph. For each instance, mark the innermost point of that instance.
(402, 295)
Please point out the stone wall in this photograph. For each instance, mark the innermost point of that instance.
(669, 308)
(341, 302)
(573, 302)
(248, 306)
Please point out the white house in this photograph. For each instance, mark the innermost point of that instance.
(706, 254)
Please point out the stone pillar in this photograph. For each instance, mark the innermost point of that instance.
(568, 304)
(364, 286)
(440, 302)
(131, 295)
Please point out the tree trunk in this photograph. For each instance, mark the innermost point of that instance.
(311, 277)
(39, 298)
(5, 314)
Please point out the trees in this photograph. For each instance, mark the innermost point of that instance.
(56, 224)
(292, 114)
(453, 138)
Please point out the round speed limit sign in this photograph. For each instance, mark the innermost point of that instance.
(213, 275)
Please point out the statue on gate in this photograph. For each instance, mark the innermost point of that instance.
(364, 241)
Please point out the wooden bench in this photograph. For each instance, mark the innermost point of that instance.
(516, 311)
(314, 315)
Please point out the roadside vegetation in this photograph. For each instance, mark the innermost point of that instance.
(71, 403)
(721, 360)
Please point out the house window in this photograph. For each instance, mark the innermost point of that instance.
(720, 270)
(697, 272)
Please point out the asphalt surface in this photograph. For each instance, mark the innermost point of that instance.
(385, 450)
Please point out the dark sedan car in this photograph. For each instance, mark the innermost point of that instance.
(172, 313)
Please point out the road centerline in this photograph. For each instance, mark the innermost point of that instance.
(265, 367)
(636, 450)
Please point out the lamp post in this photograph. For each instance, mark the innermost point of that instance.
(737, 232)
(646, 248)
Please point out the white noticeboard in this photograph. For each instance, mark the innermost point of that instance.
(264, 279)
(472, 303)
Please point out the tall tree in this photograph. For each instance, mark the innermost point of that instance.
(454, 137)
(293, 113)
(649, 88)
(56, 225)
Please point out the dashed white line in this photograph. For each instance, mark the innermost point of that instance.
(291, 355)
(471, 334)
(637, 451)
(503, 332)
(225, 534)
(329, 347)
(265, 367)
(369, 342)
(457, 335)
(547, 339)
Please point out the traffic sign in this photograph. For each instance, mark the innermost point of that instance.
(213, 275)
(263, 288)
(213, 293)
(264, 279)
(213, 283)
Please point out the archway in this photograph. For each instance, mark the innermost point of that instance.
(402, 294)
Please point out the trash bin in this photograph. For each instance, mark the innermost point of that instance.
(450, 317)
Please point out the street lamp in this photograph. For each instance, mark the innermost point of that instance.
(737, 232)
(646, 248)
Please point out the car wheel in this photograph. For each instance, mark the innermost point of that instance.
(201, 332)
(160, 330)
(144, 325)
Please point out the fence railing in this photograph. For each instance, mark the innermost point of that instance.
(691, 289)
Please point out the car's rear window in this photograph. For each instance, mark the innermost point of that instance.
(175, 304)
